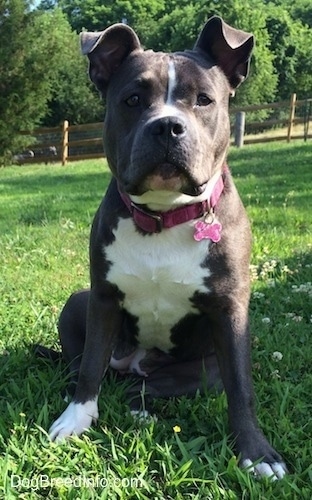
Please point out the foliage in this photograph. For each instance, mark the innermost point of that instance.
(45, 217)
(33, 82)
(289, 40)
(26, 79)
(73, 96)
(299, 10)
(98, 14)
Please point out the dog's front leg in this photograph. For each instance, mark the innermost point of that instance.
(232, 341)
(103, 323)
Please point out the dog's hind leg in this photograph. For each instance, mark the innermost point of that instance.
(72, 332)
(174, 379)
(41, 351)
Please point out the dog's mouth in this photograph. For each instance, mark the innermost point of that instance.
(168, 177)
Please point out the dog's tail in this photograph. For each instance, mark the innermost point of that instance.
(44, 352)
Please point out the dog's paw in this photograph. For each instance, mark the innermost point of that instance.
(77, 418)
(273, 471)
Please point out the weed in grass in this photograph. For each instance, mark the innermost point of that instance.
(45, 217)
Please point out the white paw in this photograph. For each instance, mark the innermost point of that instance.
(274, 471)
(77, 418)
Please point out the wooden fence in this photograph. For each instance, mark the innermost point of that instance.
(293, 125)
(64, 143)
(77, 142)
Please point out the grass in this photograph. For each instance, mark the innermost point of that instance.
(45, 216)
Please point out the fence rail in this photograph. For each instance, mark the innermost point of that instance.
(77, 142)
(303, 109)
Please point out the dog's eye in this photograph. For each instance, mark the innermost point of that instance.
(133, 101)
(203, 100)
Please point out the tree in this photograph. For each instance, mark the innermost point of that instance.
(33, 46)
(300, 10)
(28, 68)
(95, 15)
(73, 96)
(290, 41)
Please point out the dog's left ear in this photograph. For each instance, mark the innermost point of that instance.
(228, 47)
(107, 50)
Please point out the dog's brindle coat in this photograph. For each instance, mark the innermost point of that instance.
(168, 307)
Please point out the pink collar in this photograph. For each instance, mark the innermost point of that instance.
(154, 222)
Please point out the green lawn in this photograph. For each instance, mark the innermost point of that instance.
(45, 216)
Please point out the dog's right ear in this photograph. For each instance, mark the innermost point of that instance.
(106, 51)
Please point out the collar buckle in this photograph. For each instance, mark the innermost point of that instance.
(140, 216)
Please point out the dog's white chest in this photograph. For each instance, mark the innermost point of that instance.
(158, 274)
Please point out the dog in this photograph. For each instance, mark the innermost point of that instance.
(170, 242)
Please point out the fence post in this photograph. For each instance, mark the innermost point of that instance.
(65, 142)
(239, 129)
(307, 115)
(292, 111)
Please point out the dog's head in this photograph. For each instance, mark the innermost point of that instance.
(167, 125)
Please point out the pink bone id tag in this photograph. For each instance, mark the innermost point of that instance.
(207, 231)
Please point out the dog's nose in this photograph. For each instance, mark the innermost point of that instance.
(169, 126)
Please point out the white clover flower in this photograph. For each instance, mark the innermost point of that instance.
(271, 283)
(303, 288)
(253, 272)
(297, 318)
(266, 320)
(285, 269)
(277, 356)
(275, 374)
